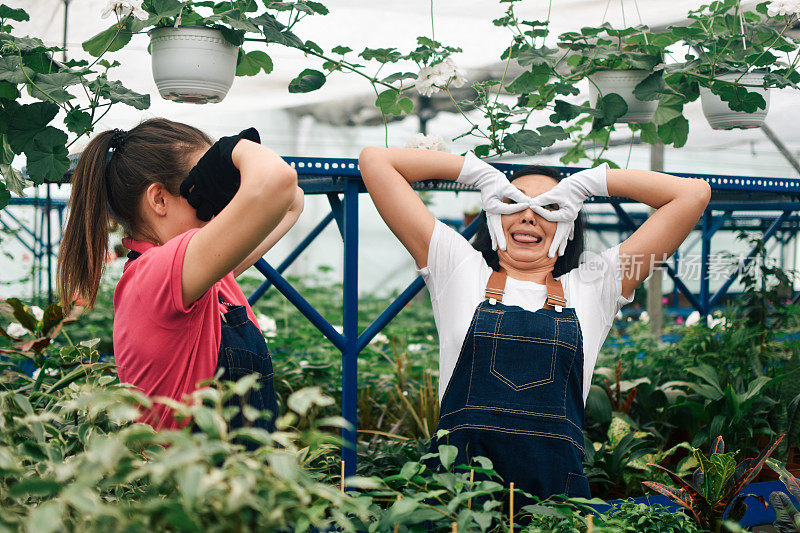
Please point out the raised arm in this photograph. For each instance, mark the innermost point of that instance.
(267, 189)
(679, 204)
(275, 235)
(388, 173)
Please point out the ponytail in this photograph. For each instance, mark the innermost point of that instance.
(107, 185)
(84, 246)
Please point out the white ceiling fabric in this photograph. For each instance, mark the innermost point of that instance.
(464, 23)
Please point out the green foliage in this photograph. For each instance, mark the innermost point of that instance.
(27, 64)
(713, 492)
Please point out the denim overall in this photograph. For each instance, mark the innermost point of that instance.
(516, 394)
(243, 351)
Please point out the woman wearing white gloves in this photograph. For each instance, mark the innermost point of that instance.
(520, 318)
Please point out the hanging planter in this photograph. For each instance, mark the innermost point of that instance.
(719, 114)
(623, 82)
(192, 64)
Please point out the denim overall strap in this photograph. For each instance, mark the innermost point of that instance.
(242, 351)
(516, 394)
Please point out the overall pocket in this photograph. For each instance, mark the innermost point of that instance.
(522, 361)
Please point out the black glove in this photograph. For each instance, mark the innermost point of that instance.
(214, 180)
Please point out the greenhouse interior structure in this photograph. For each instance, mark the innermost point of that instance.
(256, 258)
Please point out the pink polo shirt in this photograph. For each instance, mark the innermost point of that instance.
(161, 347)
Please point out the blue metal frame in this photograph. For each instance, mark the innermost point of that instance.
(36, 240)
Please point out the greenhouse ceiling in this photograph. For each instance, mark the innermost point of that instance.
(381, 23)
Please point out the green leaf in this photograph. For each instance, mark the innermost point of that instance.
(301, 401)
(34, 487)
(47, 157)
(598, 406)
(12, 71)
(22, 314)
(447, 454)
(5, 196)
(233, 36)
(523, 142)
(114, 91)
(276, 32)
(536, 56)
(53, 86)
(648, 133)
(341, 50)
(381, 55)
(548, 135)
(564, 111)
(674, 132)
(252, 63)
(8, 91)
(307, 81)
(15, 181)
(14, 14)
(311, 45)
(651, 87)
(317, 7)
(669, 107)
(389, 104)
(78, 121)
(611, 107)
(530, 81)
(108, 40)
(46, 518)
(27, 121)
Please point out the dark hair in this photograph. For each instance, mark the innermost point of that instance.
(564, 263)
(108, 185)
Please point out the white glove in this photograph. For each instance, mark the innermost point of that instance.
(568, 195)
(495, 188)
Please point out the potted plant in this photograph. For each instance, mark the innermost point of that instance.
(738, 59)
(192, 64)
(195, 57)
(616, 62)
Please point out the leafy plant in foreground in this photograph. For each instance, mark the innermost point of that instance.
(787, 517)
(712, 495)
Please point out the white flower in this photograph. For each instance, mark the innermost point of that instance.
(37, 312)
(123, 8)
(439, 76)
(779, 8)
(415, 347)
(379, 338)
(427, 142)
(16, 329)
(692, 319)
(644, 317)
(267, 324)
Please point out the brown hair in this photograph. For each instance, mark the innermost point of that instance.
(108, 185)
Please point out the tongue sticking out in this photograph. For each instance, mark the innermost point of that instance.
(521, 237)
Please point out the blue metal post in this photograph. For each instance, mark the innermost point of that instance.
(313, 234)
(705, 253)
(767, 235)
(300, 303)
(350, 325)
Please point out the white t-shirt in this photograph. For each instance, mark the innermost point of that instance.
(456, 276)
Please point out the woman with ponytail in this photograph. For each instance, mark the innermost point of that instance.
(196, 214)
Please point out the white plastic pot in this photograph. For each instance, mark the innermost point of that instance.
(721, 117)
(622, 82)
(192, 64)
